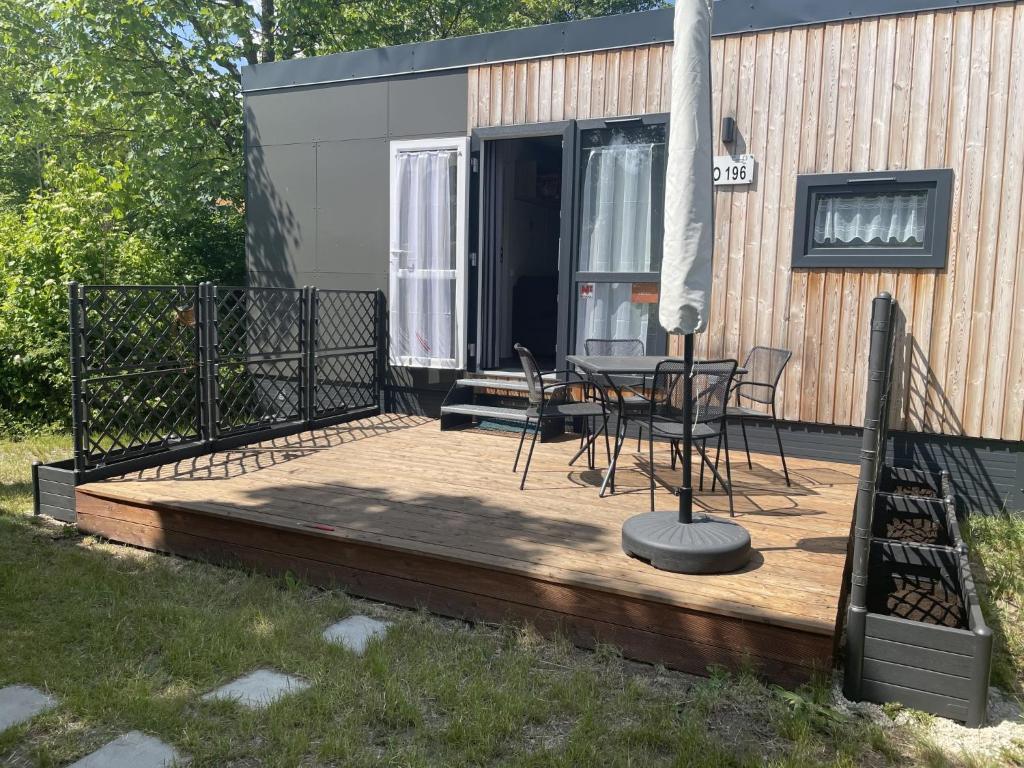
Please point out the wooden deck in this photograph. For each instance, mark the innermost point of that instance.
(393, 509)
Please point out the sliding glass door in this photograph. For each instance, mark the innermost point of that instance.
(427, 270)
(619, 202)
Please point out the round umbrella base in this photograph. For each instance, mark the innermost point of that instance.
(707, 545)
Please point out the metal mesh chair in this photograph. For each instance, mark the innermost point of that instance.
(711, 387)
(622, 348)
(614, 347)
(552, 399)
(765, 366)
(632, 401)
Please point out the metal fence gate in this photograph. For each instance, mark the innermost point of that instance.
(163, 372)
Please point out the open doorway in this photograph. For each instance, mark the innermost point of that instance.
(519, 260)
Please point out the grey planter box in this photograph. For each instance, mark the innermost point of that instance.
(53, 489)
(913, 482)
(925, 642)
(914, 629)
(915, 520)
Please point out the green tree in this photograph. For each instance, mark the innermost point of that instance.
(121, 143)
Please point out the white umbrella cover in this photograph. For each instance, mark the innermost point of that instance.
(679, 541)
(689, 210)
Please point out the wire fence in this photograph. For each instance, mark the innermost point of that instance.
(180, 369)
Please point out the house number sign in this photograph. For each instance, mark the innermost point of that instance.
(733, 169)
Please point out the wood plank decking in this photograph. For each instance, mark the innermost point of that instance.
(391, 508)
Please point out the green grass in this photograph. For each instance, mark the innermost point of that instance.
(997, 549)
(130, 640)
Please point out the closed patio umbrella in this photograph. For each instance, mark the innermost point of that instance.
(677, 540)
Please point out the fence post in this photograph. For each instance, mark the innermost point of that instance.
(310, 318)
(381, 344)
(212, 361)
(35, 486)
(890, 349)
(204, 423)
(203, 336)
(75, 322)
(874, 429)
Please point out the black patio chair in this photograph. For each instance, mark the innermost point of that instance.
(711, 383)
(633, 402)
(765, 366)
(552, 400)
(614, 347)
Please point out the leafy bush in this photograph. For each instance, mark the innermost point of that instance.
(90, 227)
(997, 547)
(121, 145)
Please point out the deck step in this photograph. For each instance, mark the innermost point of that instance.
(485, 411)
(494, 383)
(516, 375)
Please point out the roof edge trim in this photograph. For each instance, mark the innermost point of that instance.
(627, 30)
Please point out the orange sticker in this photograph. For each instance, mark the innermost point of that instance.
(644, 293)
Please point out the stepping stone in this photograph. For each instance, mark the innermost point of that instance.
(355, 632)
(133, 750)
(20, 703)
(259, 688)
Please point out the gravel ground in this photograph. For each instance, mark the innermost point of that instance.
(1004, 734)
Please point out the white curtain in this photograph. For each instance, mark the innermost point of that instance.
(607, 312)
(423, 269)
(886, 217)
(616, 231)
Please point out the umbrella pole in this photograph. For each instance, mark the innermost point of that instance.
(685, 489)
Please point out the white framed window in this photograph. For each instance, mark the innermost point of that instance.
(428, 265)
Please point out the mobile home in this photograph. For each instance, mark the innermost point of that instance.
(862, 147)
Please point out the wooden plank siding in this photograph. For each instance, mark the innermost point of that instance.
(938, 89)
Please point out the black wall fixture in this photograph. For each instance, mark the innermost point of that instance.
(728, 130)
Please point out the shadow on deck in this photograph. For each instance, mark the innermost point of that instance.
(390, 508)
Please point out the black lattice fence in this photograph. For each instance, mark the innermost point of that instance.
(345, 357)
(136, 370)
(182, 370)
(259, 349)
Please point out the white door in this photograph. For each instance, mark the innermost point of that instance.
(427, 273)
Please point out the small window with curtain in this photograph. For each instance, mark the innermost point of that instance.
(889, 219)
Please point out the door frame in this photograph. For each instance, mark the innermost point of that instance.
(569, 322)
(460, 145)
(479, 139)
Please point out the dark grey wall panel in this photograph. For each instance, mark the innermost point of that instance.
(281, 208)
(318, 207)
(1016, 500)
(812, 441)
(327, 280)
(432, 105)
(986, 474)
(317, 113)
(352, 207)
(274, 279)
